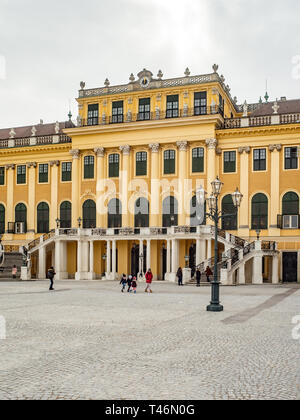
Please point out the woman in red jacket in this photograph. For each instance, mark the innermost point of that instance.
(149, 278)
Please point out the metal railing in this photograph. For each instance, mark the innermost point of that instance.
(152, 116)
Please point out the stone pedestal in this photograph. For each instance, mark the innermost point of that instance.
(25, 274)
(187, 275)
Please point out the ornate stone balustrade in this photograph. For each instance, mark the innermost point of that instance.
(34, 141)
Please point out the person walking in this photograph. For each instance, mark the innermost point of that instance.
(14, 272)
(134, 285)
(198, 277)
(208, 273)
(179, 275)
(129, 283)
(149, 278)
(51, 273)
(123, 282)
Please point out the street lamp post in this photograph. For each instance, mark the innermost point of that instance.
(57, 223)
(79, 220)
(215, 215)
(258, 232)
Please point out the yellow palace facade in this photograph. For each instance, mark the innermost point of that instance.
(116, 192)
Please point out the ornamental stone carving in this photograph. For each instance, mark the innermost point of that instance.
(246, 149)
(245, 109)
(211, 143)
(31, 165)
(33, 131)
(12, 134)
(273, 147)
(182, 146)
(10, 166)
(275, 107)
(99, 152)
(75, 153)
(154, 147)
(54, 163)
(79, 121)
(57, 127)
(125, 150)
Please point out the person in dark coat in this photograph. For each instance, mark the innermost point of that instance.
(129, 283)
(123, 282)
(179, 275)
(198, 277)
(208, 273)
(51, 273)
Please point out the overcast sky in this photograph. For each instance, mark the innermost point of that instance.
(48, 47)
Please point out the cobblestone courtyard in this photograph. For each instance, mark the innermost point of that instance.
(86, 340)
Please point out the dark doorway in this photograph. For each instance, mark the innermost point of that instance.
(164, 262)
(135, 258)
(290, 267)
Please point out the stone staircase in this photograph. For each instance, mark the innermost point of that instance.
(11, 259)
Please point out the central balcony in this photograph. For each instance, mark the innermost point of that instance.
(200, 111)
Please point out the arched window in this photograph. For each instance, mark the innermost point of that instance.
(230, 222)
(290, 204)
(114, 213)
(65, 215)
(170, 212)
(43, 218)
(89, 214)
(197, 213)
(259, 212)
(2, 219)
(21, 215)
(141, 213)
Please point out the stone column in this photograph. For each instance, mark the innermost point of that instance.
(275, 150)
(148, 255)
(54, 165)
(42, 263)
(257, 276)
(75, 187)
(31, 167)
(124, 182)
(10, 181)
(244, 188)
(114, 259)
(141, 251)
(209, 250)
(108, 260)
(61, 260)
(174, 260)
(91, 275)
(275, 269)
(182, 176)
(155, 209)
(100, 186)
(211, 163)
(168, 256)
(241, 274)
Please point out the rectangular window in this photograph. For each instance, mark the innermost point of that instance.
(198, 160)
(43, 173)
(144, 109)
(2, 175)
(113, 162)
(229, 162)
(200, 103)
(172, 106)
(141, 164)
(21, 174)
(66, 171)
(93, 114)
(259, 160)
(89, 167)
(169, 162)
(117, 112)
(291, 158)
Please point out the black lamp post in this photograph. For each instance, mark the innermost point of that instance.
(258, 232)
(79, 220)
(57, 223)
(215, 215)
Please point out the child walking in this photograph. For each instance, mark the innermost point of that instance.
(134, 285)
(123, 282)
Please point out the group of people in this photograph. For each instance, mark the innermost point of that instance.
(207, 272)
(131, 283)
